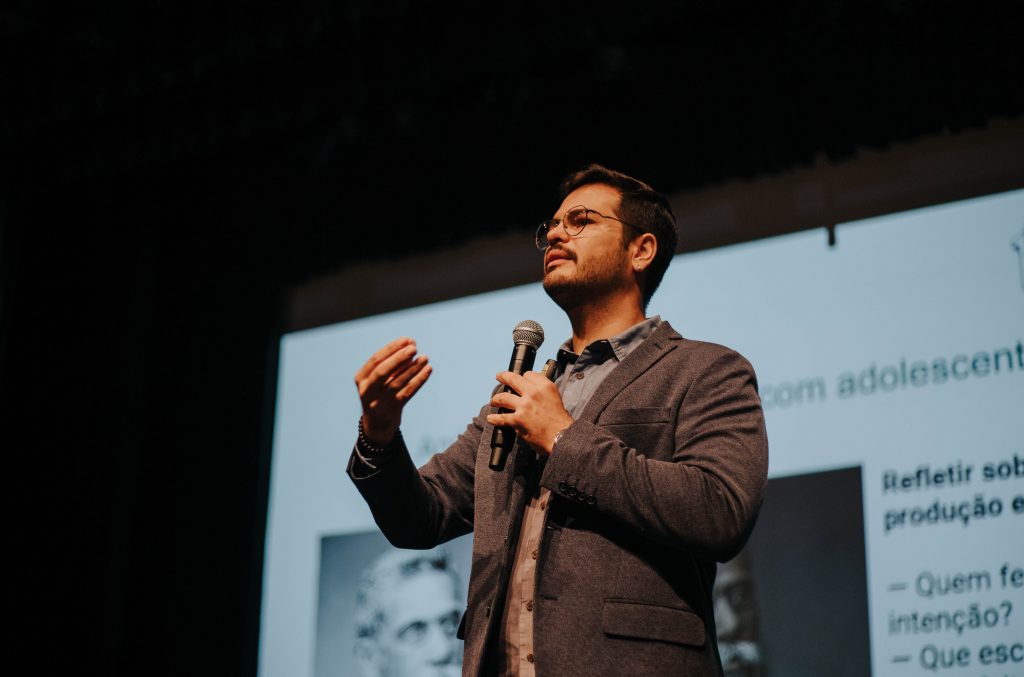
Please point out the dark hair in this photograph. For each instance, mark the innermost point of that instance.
(641, 207)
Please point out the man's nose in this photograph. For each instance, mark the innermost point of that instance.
(444, 649)
(557, 234)
(726, 620)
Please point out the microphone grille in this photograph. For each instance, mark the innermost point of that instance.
(528, 332)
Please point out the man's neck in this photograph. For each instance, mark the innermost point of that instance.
(603, 319)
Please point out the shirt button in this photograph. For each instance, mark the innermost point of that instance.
(579, 374)
(533, 554)
(529, 657)
(529, 605)
(543, 505)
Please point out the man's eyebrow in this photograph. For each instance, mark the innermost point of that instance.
(410, 625)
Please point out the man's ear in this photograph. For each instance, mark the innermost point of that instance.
(642, 250)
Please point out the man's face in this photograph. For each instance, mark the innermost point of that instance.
(418, 634)
(593, 264)
(737, 619)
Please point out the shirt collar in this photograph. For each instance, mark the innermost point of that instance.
(619, 345)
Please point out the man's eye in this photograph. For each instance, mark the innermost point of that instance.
(450, 622)
(740, 595)
(577, 219)
(414, 632)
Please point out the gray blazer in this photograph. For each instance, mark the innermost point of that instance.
(660, 476)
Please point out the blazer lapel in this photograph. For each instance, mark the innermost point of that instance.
(663, 340)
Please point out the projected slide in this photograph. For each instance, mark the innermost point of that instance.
(891, 542)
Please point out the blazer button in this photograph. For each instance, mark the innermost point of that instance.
(591, 500)
(563, 487)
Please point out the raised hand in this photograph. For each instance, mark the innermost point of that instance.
(385, 383)
(535, 409)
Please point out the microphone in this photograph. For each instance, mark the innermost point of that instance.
(528, 335)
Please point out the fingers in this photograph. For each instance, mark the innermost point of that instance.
(383, 354)
(501, 420)
(513, 380)
(389, 378)
(394, 366)
(415, 383)
(536, 377)
(405, 371)
(405, 374)
(511, 402)
(508, 401)
(531, 381)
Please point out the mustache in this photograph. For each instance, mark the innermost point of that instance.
(564, 252)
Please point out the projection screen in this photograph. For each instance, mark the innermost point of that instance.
(891, 369)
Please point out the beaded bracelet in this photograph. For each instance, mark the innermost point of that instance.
(371, 449)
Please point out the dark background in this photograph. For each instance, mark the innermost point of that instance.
(171, 169)
(810, 569)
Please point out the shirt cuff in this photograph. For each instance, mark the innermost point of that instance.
(372, 458)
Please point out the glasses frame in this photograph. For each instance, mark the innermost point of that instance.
(540, 238)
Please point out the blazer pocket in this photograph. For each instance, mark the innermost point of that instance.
(640, 620)
(636, 415)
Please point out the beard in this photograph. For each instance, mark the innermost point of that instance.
(741, 658)
(574, 284)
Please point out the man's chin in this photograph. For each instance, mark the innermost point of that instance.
(563, 292)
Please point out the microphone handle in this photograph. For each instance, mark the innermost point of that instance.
(504, 438)
(523, 356)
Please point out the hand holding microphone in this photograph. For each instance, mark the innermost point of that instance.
(527, 337)
(529, 404)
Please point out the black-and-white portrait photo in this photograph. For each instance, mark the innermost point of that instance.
(386, 612)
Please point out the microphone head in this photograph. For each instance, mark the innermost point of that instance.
(528, 332)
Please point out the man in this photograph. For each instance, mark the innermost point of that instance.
(407, 612)
(595, 550)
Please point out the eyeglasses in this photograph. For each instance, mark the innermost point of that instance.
(573, 221)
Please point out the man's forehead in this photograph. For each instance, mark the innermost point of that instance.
(598, 196)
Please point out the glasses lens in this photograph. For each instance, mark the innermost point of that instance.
(575, 219)
(541, 237)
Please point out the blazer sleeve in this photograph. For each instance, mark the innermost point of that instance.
(705, 493)
(425, 507)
